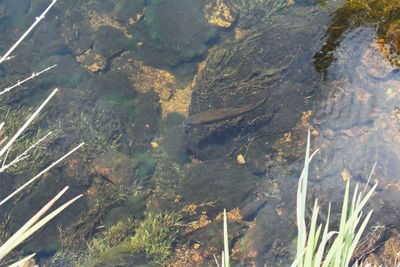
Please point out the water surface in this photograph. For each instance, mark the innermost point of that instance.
(132, 72)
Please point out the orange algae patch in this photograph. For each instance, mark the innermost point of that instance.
(97, 20)
(217, 13)
(232, 215)
(146, 78)
(92, 61)
(179, 102)
(187, 257)
(202, 222)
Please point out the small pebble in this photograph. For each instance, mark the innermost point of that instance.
(240, 159)
(154, 144)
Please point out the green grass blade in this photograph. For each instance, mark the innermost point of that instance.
(226, 242)
(311, 236)
(324, 240)
(357, 237)
(343, 217)
(301, 203)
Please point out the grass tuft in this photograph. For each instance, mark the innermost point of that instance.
(311, 246)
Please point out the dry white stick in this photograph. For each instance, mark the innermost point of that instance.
(8, 58)
(34, 224)
(27, 123)
(40, 174)
(23, 155)
(19, 83)
(8, 245)
(23, 261)
(2, 139)
(5, 158)
(17, 43)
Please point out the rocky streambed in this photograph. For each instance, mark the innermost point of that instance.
(190, 107)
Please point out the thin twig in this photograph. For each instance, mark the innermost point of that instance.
(216, 261)
(40, 174)
(23, 155)
(9, 58)
(19, 83)
(27, 123)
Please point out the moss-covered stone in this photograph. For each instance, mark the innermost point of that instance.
(116, 167)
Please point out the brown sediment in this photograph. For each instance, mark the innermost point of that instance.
(241, 33)
(181, 98)
(98, 20)
(92, 61)
(146, 78)
(134, 20)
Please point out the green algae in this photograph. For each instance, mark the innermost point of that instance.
(132, 207)
(126, 242)
(146, 167)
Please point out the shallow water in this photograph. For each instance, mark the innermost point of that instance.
(131, 72)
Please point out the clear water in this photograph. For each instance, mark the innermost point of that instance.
(329, 66)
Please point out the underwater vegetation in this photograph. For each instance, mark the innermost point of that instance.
(129, 241)
(253, 12)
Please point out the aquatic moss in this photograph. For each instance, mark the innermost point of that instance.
(104, 250)
(146, 167)
(85, 123)
(253, 12)
(132, 207)
(13, 119)
(157, 235)
(124, 242)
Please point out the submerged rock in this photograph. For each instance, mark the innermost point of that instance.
(174, 32)
(239, 75)
(116, 167)
(227, 183)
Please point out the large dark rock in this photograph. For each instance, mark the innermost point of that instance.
(261, 65)
(174, 32)
(227, 183)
